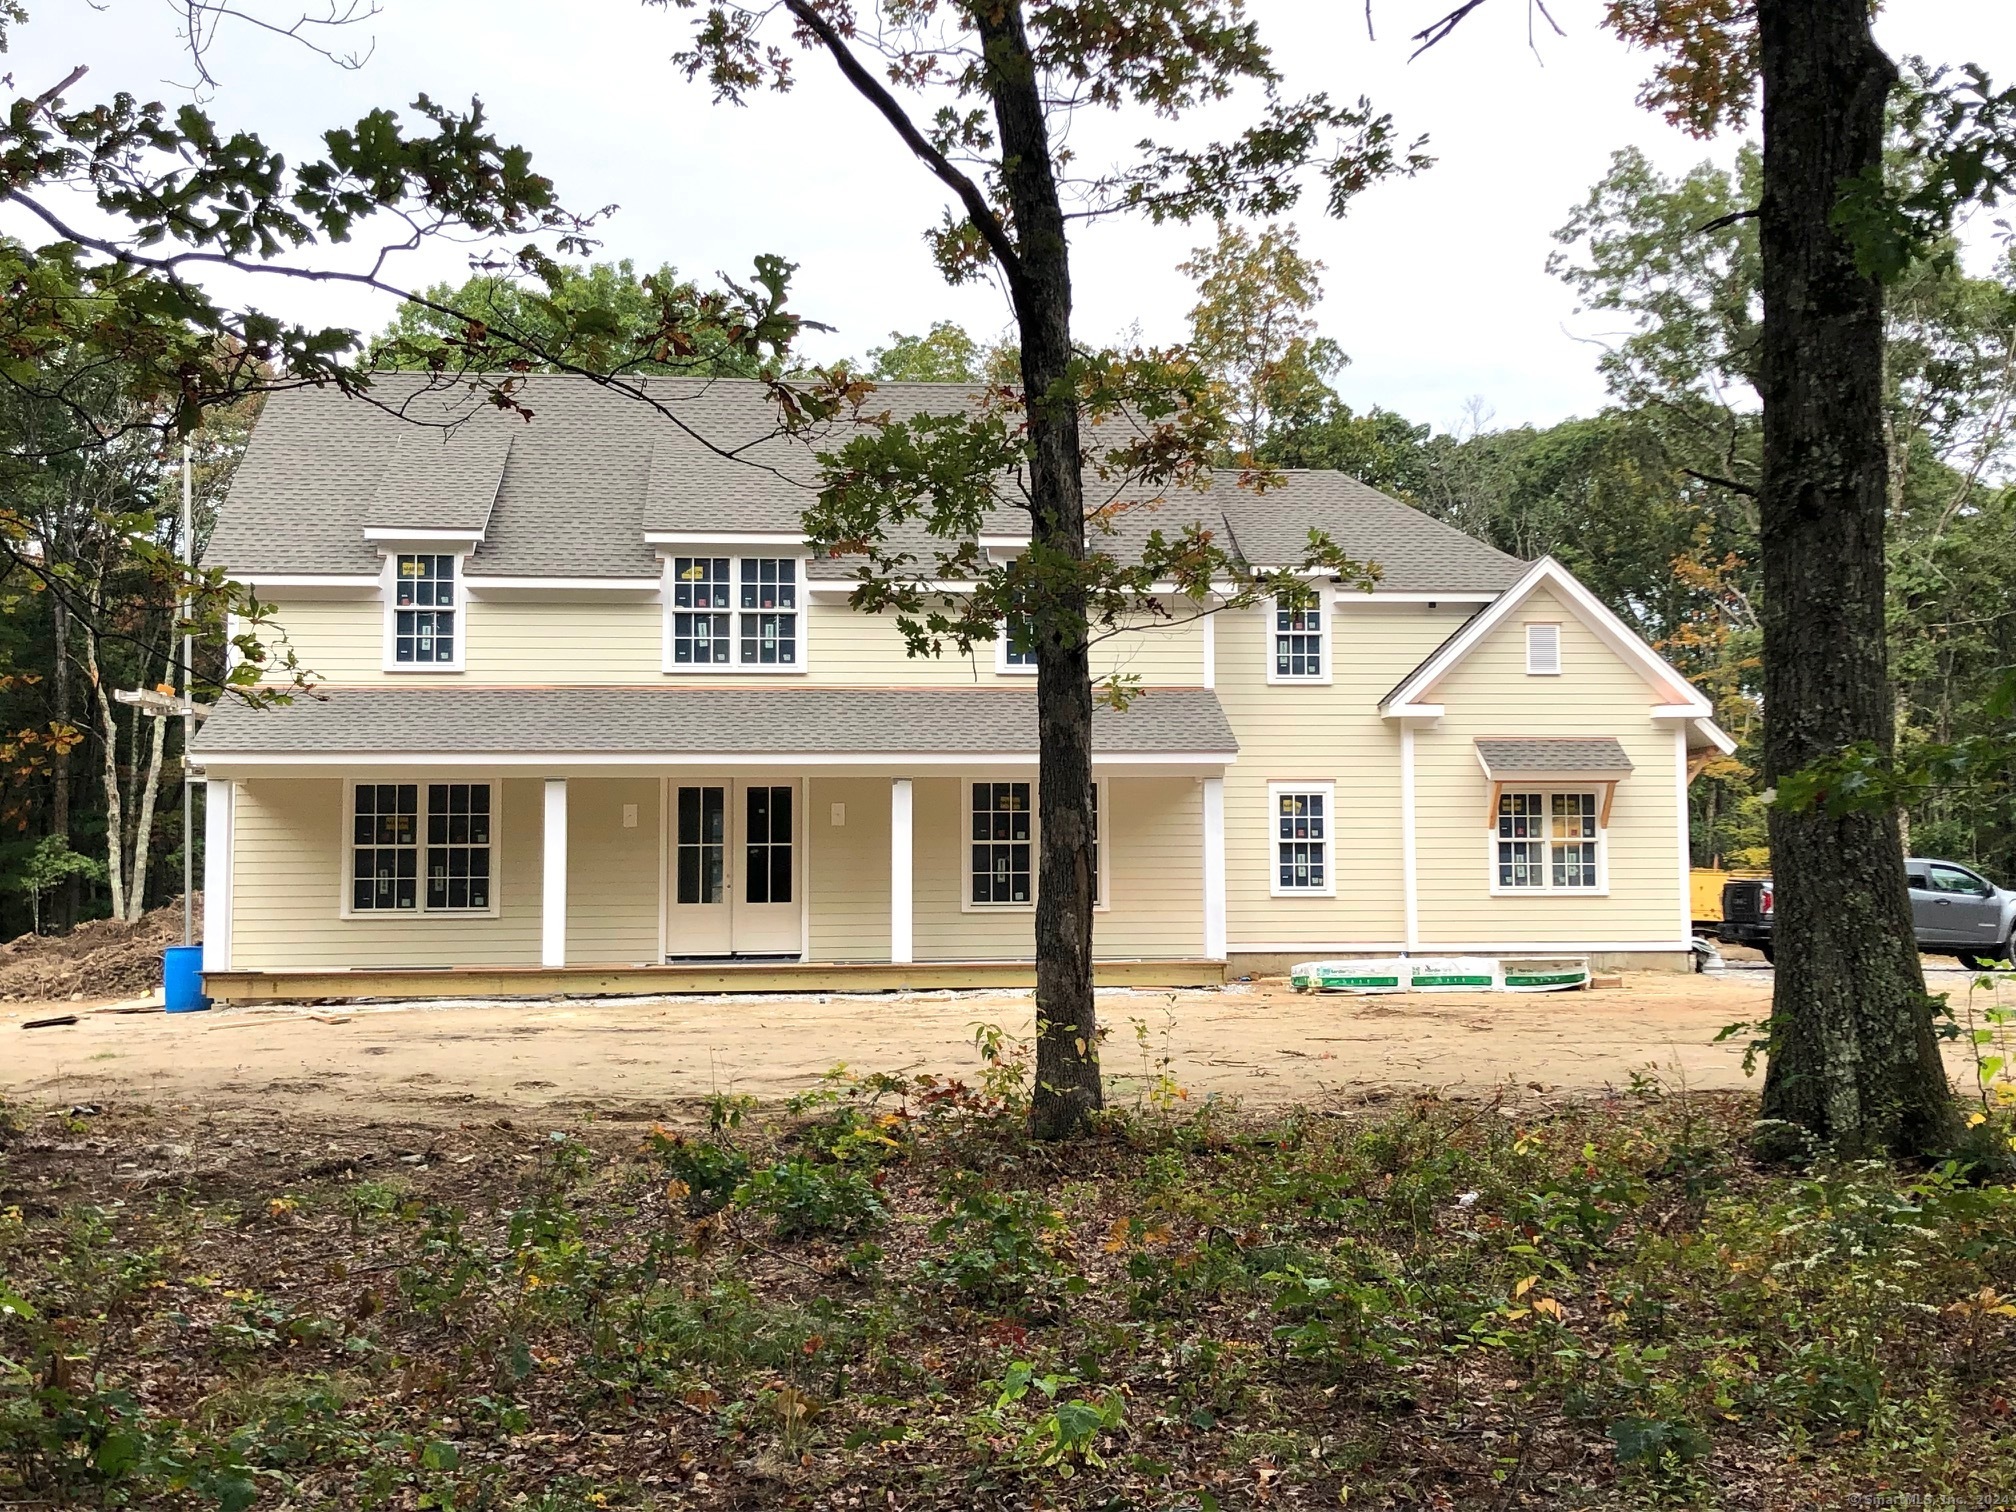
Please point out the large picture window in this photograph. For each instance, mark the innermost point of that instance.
(400, 864)
(1547, 842)
(1303, 817)
(423, 610)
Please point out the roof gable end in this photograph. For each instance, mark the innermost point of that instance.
(1414, 690)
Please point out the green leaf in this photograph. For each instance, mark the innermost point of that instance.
(440, 1455)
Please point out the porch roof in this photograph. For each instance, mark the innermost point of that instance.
(685, 723)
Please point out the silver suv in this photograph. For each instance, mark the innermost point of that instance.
(1954, 911)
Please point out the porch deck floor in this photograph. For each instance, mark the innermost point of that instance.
(269, 985)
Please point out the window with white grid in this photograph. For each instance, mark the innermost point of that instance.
(421, 848)
(1548, 842)
(731, 613)
(1303, 819)
(1298, 639)
(1015, 651)
(700, 590)
(769, 612)
(1001, 867)
(424, 610)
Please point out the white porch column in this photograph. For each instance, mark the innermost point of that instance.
(900, 949)
(1410, 885)
(1214, 867)
(218, 795)
(553, 912)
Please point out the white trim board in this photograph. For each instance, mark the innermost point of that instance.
(346, 760)
(1526, 947)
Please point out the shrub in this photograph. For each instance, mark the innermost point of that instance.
(804, 1199)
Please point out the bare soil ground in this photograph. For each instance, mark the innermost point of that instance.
(1260, 1042)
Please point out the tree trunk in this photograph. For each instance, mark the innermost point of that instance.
(115, 818)
(1067, 1090)
(65, 910)
(143, 829)
(1853, 1057)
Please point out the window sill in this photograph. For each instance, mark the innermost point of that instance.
(374, 915)
(422, 669)
(1302, 892)
(733, 669)
(1550, 892)
(1297, 682)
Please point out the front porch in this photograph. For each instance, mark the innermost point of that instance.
(700, 879)
(282, 985)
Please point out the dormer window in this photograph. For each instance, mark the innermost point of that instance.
(423, 633)
(734, 613)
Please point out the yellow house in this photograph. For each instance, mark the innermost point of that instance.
(589, 715)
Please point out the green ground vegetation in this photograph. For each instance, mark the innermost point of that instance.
(885, 1295)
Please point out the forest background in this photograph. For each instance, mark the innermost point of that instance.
(1651, 501)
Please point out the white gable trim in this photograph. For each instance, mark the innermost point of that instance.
(1592, 612)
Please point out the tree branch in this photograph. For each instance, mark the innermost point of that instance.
(978, 211)
(1719, 482)
(1730, 219)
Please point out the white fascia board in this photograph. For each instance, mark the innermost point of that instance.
(1593, 613)
(1380, 596)
(1003, 542)
(772, 538)
(1516, 948)
(363, 584)
(528, 587)
(1714, 735)
(226, 763)
(399, 534)
(1426, 713)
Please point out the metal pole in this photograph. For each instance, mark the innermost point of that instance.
(188, 702)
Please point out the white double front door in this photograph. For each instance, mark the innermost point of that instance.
(735, 883)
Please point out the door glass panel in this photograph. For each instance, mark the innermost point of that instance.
(766, 872)
(702, 843)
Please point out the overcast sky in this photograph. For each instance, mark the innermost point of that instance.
(1435, 286)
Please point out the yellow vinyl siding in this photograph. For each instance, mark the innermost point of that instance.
(546, 643)
(1322, 732)
(1596, 693)
(1155, 870)
(1154, 873)
(291, 868)
(612, 872)
(849, 868)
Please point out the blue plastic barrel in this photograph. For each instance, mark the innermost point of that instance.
(182, 978)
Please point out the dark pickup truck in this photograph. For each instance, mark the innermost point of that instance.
(1956, 912)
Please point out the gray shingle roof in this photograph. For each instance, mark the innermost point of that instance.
(647, 722)
(594, 469)
(438, 479)
(1599, 753)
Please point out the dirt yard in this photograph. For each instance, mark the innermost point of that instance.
(650, 1057)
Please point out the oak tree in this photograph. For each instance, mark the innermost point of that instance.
(981, 93)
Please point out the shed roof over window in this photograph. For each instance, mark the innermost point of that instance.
(1553, 759)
